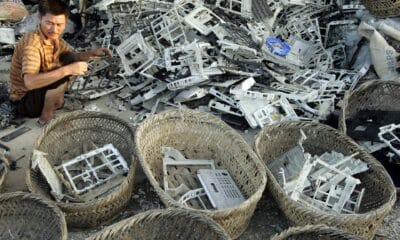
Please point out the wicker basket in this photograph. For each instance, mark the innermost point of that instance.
(28, 216)
(3, 174)
(164, 224)
(314, 232)
(73, 129)
(203, 136)
(12, 10)
(380, 193)
(383, 8)
(372, 95)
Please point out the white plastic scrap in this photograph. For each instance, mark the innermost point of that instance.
(324, 182)
(40, 161)
(390, 134)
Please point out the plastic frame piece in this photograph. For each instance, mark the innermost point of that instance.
(135, 54)
(239, 7)
(193, 194)
(203, 20)
(389, 134)
(220, 188)
(94, 165)
(173, 157)
(224, 108)
(168, 30)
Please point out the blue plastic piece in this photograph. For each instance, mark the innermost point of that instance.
(278, 46)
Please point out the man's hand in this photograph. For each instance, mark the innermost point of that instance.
(101, 52)
(77, 68)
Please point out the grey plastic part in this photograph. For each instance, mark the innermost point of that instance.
(220, 188)
(104, 159)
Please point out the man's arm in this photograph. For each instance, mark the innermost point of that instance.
(99, 52)
(39, 80)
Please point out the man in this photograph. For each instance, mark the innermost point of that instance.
(37, 79)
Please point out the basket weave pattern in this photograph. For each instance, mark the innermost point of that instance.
(383, 8)
(65, 136)
(28, 216)
(372, 95)
(3, 174)
(380, 193)
(166, 224)
(314, 232)
(203, 136)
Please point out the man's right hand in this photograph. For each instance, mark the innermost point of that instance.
(77, 68)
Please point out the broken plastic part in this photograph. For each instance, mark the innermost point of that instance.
(173, 157)
(220, 188)
(193, 194)
(277, 46)
(224, 108)
(168, 30)
(203, 20)
(135, 54)
(7, 35)
(40, 161)
(390, 134)
(97, 167)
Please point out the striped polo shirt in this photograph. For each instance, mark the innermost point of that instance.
(33, 54)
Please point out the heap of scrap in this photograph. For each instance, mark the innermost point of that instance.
(252, 62)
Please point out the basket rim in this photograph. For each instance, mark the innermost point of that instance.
(76, 115)
(3, 176)
(37, 198)
(274, 183)
(307, 228)
(213, 119)
(147, 216)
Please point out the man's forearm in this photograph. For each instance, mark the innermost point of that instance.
(39, 80)
(99, 52)
(85, 56)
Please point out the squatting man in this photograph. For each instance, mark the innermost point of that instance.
(38, 80)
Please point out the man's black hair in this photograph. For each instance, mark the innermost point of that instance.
(54, 7)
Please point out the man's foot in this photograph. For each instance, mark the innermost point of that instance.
(41, 123)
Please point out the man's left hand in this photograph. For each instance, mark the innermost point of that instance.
(101, 52)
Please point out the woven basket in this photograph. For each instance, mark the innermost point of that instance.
(28, 216)
(164, 224)
(3, 174)
(73, 129)
(314, 232)
(383, 8)
(203, 136)
(380, 193)
(372, 95)
(12, 10)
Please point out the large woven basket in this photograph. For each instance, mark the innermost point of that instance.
(314, 232)
(28, 216)
(203, 136)
(164, 224)
(372, 95)
(383, 8)
(3, 174)
(380, 193)
(67, 134)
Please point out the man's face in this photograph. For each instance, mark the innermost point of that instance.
(52, 26)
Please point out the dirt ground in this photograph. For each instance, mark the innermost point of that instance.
(267, 220)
